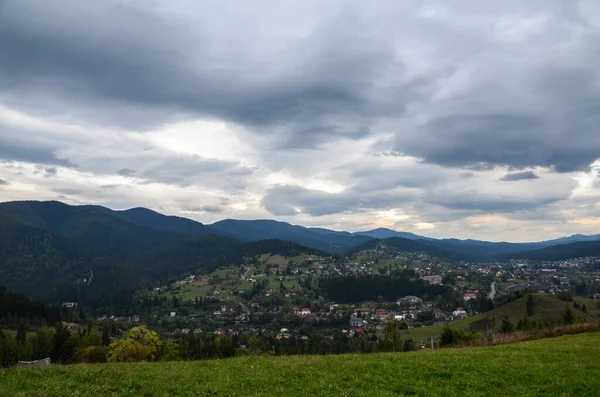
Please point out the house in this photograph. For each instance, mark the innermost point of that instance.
(459, 312)
(173, 314)
(468, 296)
(69, 305)
(435, 279)
(410, 300)
(136, 318)
(356, 322)
(363, 311)
(305, 311)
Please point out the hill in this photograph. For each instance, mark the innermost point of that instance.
(566, 365)
(562, 252)
(547, 309)
(129, 233)
(59, 266)
(92, 226)
(320, 239)
(382, 233)
(173, 224)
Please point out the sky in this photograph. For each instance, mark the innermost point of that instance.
(468, 119)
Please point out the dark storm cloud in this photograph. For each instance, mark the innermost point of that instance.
(519, 176)
(563, 136)
(29, 152)
(322, 85)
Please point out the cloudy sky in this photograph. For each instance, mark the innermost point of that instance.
(470, 119)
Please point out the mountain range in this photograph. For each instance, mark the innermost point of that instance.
(46, 248)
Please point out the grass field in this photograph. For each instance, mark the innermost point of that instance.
(546, 308)
(564, 366)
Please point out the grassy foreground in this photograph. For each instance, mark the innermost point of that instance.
(563, 366)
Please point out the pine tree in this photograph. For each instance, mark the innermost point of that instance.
(21, 334)
(447, 337)
(568, 317)
(105, 337)
(506, 327)
(529, 305)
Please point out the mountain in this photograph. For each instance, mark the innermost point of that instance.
(575, 238)
(484, 251)
(387, 233)
(320, 239)
(562, 251)
(99, 257)
(174, 224)
(93, 226)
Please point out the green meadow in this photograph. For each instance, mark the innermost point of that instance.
(562, 366)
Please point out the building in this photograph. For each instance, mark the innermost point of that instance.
(459, 313)
(356, 322)
(410, 300)
(435, 279)
(468, 296)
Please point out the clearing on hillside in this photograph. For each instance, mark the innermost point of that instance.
(564, 366)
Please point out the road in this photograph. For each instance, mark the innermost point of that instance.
(492, 294)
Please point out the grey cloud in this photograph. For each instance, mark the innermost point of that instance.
(68, 191)
(475, 201)
(214, 209)
(375, 178)
(3, 182)
(318, 86)
(29, 151)
(292, 200)
(50, 171)
(190, 170)
(519, 176)
(126, 172)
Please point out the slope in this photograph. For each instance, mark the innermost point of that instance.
(174, 224)
(255, 230)
(382, 233)
(563, 366)
(561, 252)
(93, 226)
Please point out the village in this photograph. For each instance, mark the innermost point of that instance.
(276, 295)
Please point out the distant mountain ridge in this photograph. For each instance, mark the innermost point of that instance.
(133, 233)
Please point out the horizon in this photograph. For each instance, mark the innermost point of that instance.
(478, 119)
(292, 224)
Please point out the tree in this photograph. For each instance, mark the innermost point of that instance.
(447, 337)
(105, 336)
(390, 339)
(568, 316)
(60, 349)
(529, 305)
(583, 308)
(141, 345)
(42, 343)
(506, 326)
(409, 345)
(21, 334)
